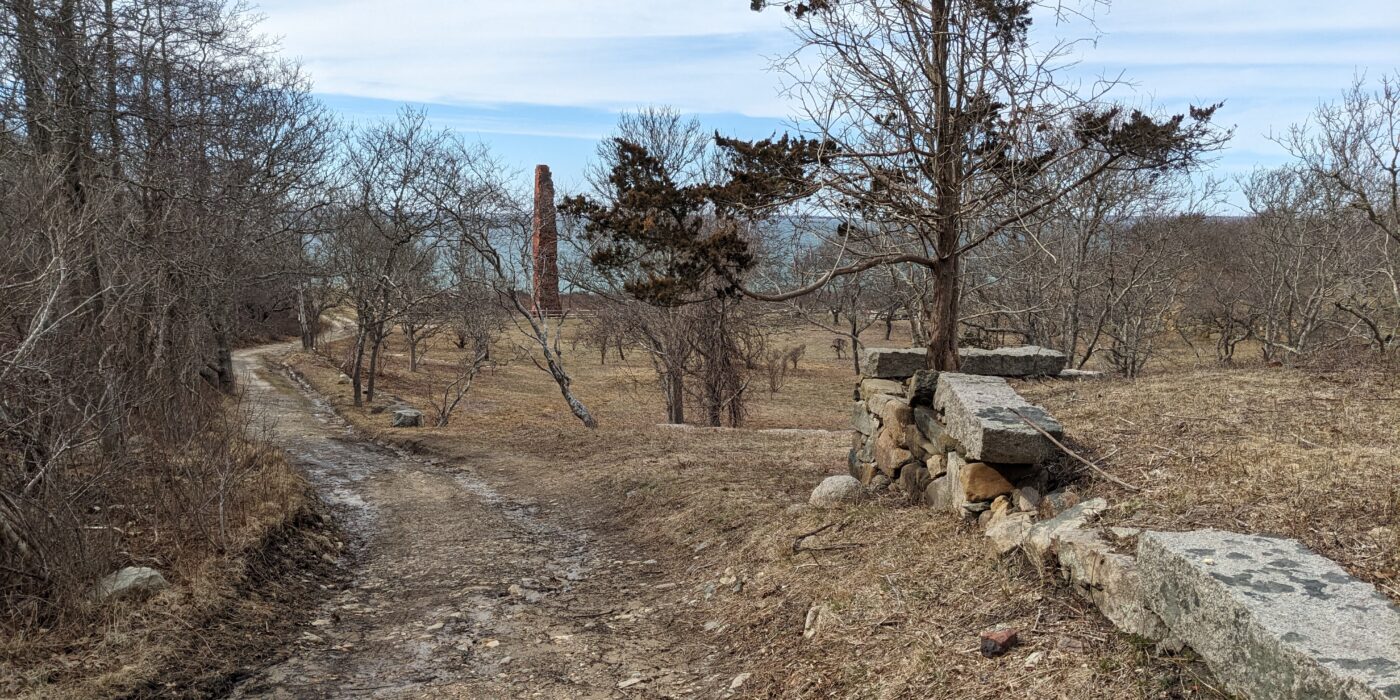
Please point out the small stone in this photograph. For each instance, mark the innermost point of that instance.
(1044, 535)
(837, 490)
(916, 444)
(879, 484)
(408, 418)
(1057, 502)
(981, 482)
(1008, 530)
(1027, 498)
(998, 641)
(1079, 374)
(937, 465)
(889, 454)
(813, 623)
(130, 582)
(939, 493)
(913, 479)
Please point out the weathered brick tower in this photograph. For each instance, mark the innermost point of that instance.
(545, 245)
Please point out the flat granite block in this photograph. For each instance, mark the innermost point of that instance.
(1273, 619)
(892, 363)
(1020, 361)
(980, 413)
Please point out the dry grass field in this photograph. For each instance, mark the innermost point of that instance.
(226, 600)
(903, 591)
(1311, 453)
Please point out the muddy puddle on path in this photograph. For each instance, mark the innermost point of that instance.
(457, 590)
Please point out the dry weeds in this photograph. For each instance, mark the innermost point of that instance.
(906, 591)
(1312, 454)
(219, 548)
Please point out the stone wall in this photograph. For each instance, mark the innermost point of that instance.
(1271, 618)
(955, 441)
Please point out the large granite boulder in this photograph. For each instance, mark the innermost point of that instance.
(892, 363)
(1021, 361)
(1273, 619)
(980, 413)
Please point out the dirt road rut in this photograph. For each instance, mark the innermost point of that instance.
(457, 588)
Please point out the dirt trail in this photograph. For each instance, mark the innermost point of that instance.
(459, 587)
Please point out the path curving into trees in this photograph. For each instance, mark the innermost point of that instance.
(456, 587)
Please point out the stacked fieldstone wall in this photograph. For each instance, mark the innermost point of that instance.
(1271, 618)
(964, 442)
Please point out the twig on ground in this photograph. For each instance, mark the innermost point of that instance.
(1097, 469)
(797, 541)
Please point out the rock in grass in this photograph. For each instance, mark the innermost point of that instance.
(1007, 530)
(837, 490)
(132, 582)
(408, 418)
(998, 641)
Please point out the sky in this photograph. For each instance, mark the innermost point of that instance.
(540, 81)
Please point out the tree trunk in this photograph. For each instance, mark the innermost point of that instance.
(942, 319)
(356, 375)
(855, 345)
(675, 397)
(304, 321)
(373, 367)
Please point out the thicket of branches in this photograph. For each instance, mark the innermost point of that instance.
(158, 168)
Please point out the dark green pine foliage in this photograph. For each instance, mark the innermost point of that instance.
(670, 244)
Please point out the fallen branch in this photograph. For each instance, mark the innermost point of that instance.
(1097, 469)
(797, 541)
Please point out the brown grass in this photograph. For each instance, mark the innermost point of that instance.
(1312, 454)
(907, 590)
(226, 573)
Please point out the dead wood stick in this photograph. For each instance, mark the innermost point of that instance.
(1097, 469)
(797, 541)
